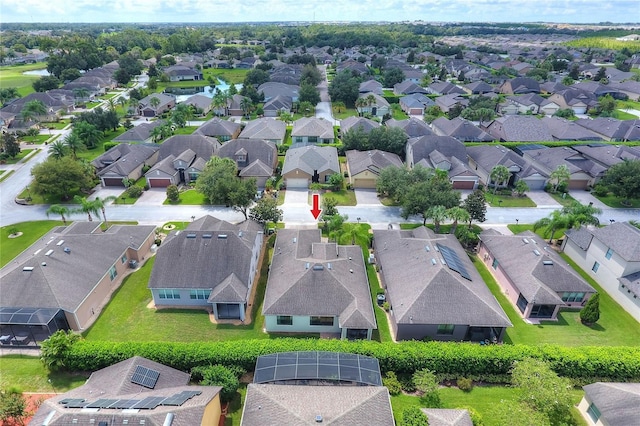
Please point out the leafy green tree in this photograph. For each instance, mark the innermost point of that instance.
(420, 197)
(33, 110)
(606, 106)
(392, 76)
(9, 144)
(246, 105)
(60, 178)
(356, 138)
(601, 74)
(521, 187)
(556, 220)
(344, 88)
(476, 205)
(310, 75)
(515, 413)
(413, 416)
(256, 77)
(427, 385)
(47, 82)
(335, 225)
(309, 93)
(567, 113)
(457, 214)
(219, 375)
(221, 185)
(8, 94)
(336, 181)
(54, 350)
(574, 72)
(590, 314)
(266, 210)
(560, 176)
(329, 207)
(154, 102)
(173, 195)
(13, 407)
(581, 214)
(87, 207)
(499, 176)
(389, 139)
(87, 133)
(59, 209)
(623, 179)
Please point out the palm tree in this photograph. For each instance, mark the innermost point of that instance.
(101, 203)
(86, 206)
(458, 214)
(33, 110)
(370, 99)
(74, 144)
(58, 149)
(246, 105)
(438, 214)
(154, 102)
(8, 94)
(555, 221)
(219, 101)
(156, 134)
(360, 103)
(560, 175)
(122, 101)
(581, 214)
(499, 176)
(81, 93)
(59, 209)
(338, 106)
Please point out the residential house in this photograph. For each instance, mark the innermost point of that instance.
(353, 66)
(201, 104)
(518, 128)
(312, 130)
(478, 88)
(267, 129)
(353, 123)
(304, 388)
(373, 104)
(444, 88)
(309, 164)
(577, 100)
(608, 155)
(408, 87)
(181, 159)
(447, 417)
(286, 73)
(629, 88)
(141, 133)
(415, 104)
(223, 130)
(482, 160)
(124, 161)
(611, 255)
(134, 391)
(433, 289)
(532, 275)
(371, 86)
(254, 158)
(317, 287)
(39, 284)
(527, 104)
(461, 129)
(550, 87)
(442, 153)
(584, 172)
(413, 127)
(564, 130)
(522, 67)
(364, 167)
(610, 404)
(447, 102)
(180, 72)
(598, 89)
(55, 107)
(611, 129)
(185, 275)
(148, 108)
(277, 105)
(273, 89)
(235, 105)
(520, 86)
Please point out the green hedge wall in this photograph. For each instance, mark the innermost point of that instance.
(450, 359)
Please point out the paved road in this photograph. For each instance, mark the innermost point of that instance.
(323, 109)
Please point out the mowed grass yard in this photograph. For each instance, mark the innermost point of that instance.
(29, 374)
(31, 231)
(12, 76)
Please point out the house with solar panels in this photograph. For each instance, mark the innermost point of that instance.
(136, 391)
(533, 276)
(434, 290)
(302, 388)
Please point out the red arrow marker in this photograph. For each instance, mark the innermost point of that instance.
(316, 210)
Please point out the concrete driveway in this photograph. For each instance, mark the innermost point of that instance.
(543, 199)
(296, 197)
(152, 197)
(367, 197)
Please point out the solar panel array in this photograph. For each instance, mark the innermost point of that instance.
(148, 403)
(145, 377)
(453, 261)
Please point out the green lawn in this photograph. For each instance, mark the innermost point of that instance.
(92, 154)
(127, 317)
(615, 328)
(123, 198)
(191, 197)
(616, 202)
(18, 157)
(346, 197)
(12, 76)
(38, 139)
(383, 333)
(186, 130)
(31, 231)
(29, 374)
(564, 201)
(499, 200)
(347, 112)
(5, 174)
(623, 115)
(231, 75)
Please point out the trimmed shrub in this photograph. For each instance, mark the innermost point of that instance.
(390, 380)
(173, 195)
(476, 417)
(133, 191)
(590, 314)
(219, 375)
(108, 145)
(465, 384)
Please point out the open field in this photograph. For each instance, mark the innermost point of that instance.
(12, 76)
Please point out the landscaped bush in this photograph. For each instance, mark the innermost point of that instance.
(133, 191)
(219, 375)
(446, 359)
(390, 380)
(465, 384)
(108, 145)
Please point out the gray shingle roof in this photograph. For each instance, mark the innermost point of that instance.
(519, 129)
(538, 282)
(374, 161)
(124, 165)
(552, 157)
(565, 130)
(487, 157)
(292, 405)
(264, 128)
(461, 129)
(617, 402)
(204, 147)
(413, 127)
(310, 158)
(218, 127)
(608, 155)
(312, 126)
(446, 145)
(114, 382)
(256, 150)
(308, 277)
(425, 293)
(139, 133)
(622, 237)
(358, 122)
(447, 417)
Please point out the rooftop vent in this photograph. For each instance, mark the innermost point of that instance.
(547, 262)
(61, 242)
(295, 240)
(43, 264)
(433, 262)
(427, 248)
(222, 236)
(318, 419)
(240, 234)
(207, 236)
(49, 253)
(536, 252)
(191, 235)
(524, 240)
(351, 271)
(306, 265)
(67, 250)
(329, 265)
(443, 261)
(28, 268)
(318, 268)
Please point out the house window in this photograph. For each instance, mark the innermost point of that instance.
(284, 320)
(199, 294)
(572, 297)
(298, 139)
(446, 329)
(241, 158)
(325, 321)
(522, 303)
(123, 259)
(312, 139)
(595, 266)
(494, 265)
(168, 294)
(593, 412)
(609, 254)
(113, 273)
(193, 176)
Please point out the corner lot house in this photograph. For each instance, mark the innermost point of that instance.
(364, 167)
(64, 280)
(212, 265)
(136, 391)
(317, 287)
(532, 275)
(612, 254)
(434, 290)
(309, 164)
(610, 404)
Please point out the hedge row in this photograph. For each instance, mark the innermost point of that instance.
(450, 359)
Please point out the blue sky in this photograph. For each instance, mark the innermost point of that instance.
(570, 11)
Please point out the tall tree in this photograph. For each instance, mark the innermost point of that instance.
(590, 314)
(60, 178)
(623, 179)
(476, 205)
(86, 206)
(309, 93)
(457, 214)
(437, 214)
(63, 211)
(9, 144)
(266, 210)
(101, 203)
(560, 176)
(87, 133)
(556, 220)
(58, 149)
(33, 110)
(581, 214)
(154, 102)
(499, 176)
(74, 144)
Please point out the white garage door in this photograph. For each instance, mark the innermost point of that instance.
(297, 183)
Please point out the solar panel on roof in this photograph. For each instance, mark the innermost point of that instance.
(145, 377)
(180, 398)
(102, 403)
(453, 261)
(149, 403)
(124, 404)
(73, 402)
